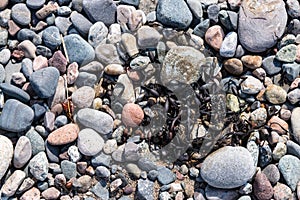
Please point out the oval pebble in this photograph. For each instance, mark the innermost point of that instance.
(6, 154)
(64, 135)
(23, 152)
(89, 142)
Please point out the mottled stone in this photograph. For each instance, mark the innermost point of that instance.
(214, 37)
(275, 94)
(288, 166)
(281, 191)
(251, 85)
(262, 187)
(12, 183)
(287, 53)
(59, 61)
(145, 189)
(252, 62)
(6, 154)
(23, 152)
(64, 135)
(97, 33)
(51, 193)
(148, 37)
(21, 14)
(132, 115)
(89, 142)
(38, 166)
(83, 97)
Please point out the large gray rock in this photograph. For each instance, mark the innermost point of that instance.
(16, 116)
(6, 154)
(51, 37)
(81, 23)
(15, 92)
(289, 168)
(21, 14)
(228, 167)
(261, 23)
(39, 166)
(79, 50)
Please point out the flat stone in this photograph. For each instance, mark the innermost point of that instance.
(114, 69)
(262, 187)
(254, 16)
(33, 194)
(287, 53)
(38, 166)
(15, 92)
(6, 154)
(60, 94)
(291, 71)
(81, 23)
(251, 85)
(4, 56)
(214, 37)
(229, 45)
(15, 111)
(212, 193)
(36, 140)
(21, 14)
(278, 125)
(288, 166)
(97, 33)
(165, 176)
(148, 37)
(282, 191)
(295, 124)
(228, 167)
(168, 14)
(64, 135)
(275, 94)
(28, 48)
(12, 183)
(51, 37)
(89, 142)
(46, 10)
(83, 97)
(68, 169)
(252, 62)
(145, 189)
(35, 4)
(100, 191)
(79, 50)
(97, 120)
(23, 152)
(39, 62)
(51, 193)
(107, 54)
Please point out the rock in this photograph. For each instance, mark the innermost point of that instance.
(35, 4)
(214, 37)
(84, 183)
(18, 79)
(110, 146)
(44, 81)
(79, 50)
(23, 152)
(97, 34)
(129, 42)
(293, 8)
(114, 69)
(278, 125)
(12, 183)
(97, 120)
(102, 172)
(272, 173)
(51, 193)
(44, 51)
(64, 135)
(63, 24)
(13, 28)
(148, 37)
(83, 97)
(182, 64)
(68, 169)
(2, 73)
(294, 96)
(232, 102)
(38, 166)
(6, 154)
(4, 57)
(64, 11)
(74, 154)
(282, 191)
(51, 37)
(288, 167)
(252, 62)
(15, 111)
(114, 35)
(85, 79)
(229, 45)
(145, 189)
(251, 85)
(46, 10)
(39, 62)
(134, 170)
(279, 151)
(213, 13)
(293, 148)
(60, 94)
(228, 167)
(275, 94)
(28, 48)
(287, 53)
(262, 187)
(72, 73)
(258, 117)
(124, 90)
(3, 4)
(103, 11)
(291, 71)
(101, 159)
(165, 176)
(32, 194)
(89, 142)
(215, 193)
(295, 125)
(4, 36)
(168, 14)
(131, 152)
(132, 115)
(260, 73)
(59, 61)
(14, 92)
(254, 16)
(100, 191)
(81, 23)
(21, 14)
(201, 28)
(36, 140)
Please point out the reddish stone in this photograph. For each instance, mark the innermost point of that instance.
(39, 62)
(51, 193)
(214, 37)
(59, 61)
(262, 187)
(18, 54)
(46, 10)
(132, 115)
(13, 28)
(278, 125)
(32, 194)
(72, 73)
(64, 135)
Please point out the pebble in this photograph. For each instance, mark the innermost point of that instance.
(83, 97)
(295, 125)
(2, 73)
(254, 16)
(132, 115)
(229, 45)
(265, 155)
(278, 125)
(182, 64)
(4, 56)
(201, 28)
(12, 183)
(145, 189)
(38, 166)
(148, 37)
(251, 85)
(212, 193)
(293, 148)
(260, 73)
(146, 164)
(59, 61)
(68, 168)
(130, 44)
(97, 34)
(22, 152)
(97, 120)
(36, 140)
(51, 193)
(89, 142)
(114, 35)
(85, 79)
(21, 14)
(18, 79)
(3, 4)
(134, 170)
(44, 81)
(64, 135)
(103, 11)
(100, 191)
(124, 90)
(288, 167)
(35, 4)
(28, 48)
(46, 10)
(81, 23)
(213, 13)
(44, 51)
(214, 37)
(101, 159)
(114, 69)
(64, 11)
(63, 24)
(279, 151)
(168, 14)
(15, 92)
(287, 53)
(6, 154)
(131, 152)
(110, 146)
(72, 73)
(272, 173)
(293, 8)
(281, 191)
(51, 37)
(39, 62)
(232, 102)
(262, 187)
(84, 183)
(4, 36)
(32, 194)
(228, 167)
(79, 50)
(102, 172)
(291, 71)
(74, 154)
(294, 96)
(15, 111)
(165, 176)
(252, 62)
(107, 54)
(275, 94)
(234, 66)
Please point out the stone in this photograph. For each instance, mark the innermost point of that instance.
(2, 73)
(68, 169)
(44, 51)
(201, 28)
(12, 183)
(89, 142)
(28, 48)
(291, 71)
(5, 16)
(260, 73)
(15, 92)
(38, 166)
(278, 125)
(293, 148)
(134, 170)
(83, 97)
(63, 24)
(60, 94)
(145, 189)
(103, 11)
(97, 120)
(51, 193)
(102, 172)
(213, 13)
(272, 173)
(258, 117)
(64, 135)
(293, 8)
(110, 146)
(72, 73)
(35, 4)
(46, 10)
(251, 85)
(132, 115)
(101, 159)
(131, 152)
(32, 194)
(295, 124)
(59, 61)
(215, 193)
(15, 111)
(6, 154)
(64, 11)
(165, 176)
(114, 35)
(39, 62)
(262, 187)
(21, 14)
(27, 67)
(22, 152)
(51, 37)
(79, 50)
(81, 23)
(4, 57)
(85, 79)
(228, 167)
(100, 191)
(114, 69)
(214, 37)
(196, 8)
(252, 62)
(4, 36)
(294, 96)
(168, 14)
(287, 53)
(13, 28)
(148, 37)
(129, 42)
(182, 64)
(288, 167)
(254, 16)
(229, 45)
(281, 191)
(97, 34)
(36, 140)
(279, 151)
(275, 94)
(3, 4)
(84, 183)
(44, 81)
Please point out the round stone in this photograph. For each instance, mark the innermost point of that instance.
(23, 152)
(51, 37)
(21, 14)
(214, 37)
(89, 142)
(51, 193)
(64, 135)
(83, 97)
(252, 62)
(229, 45)
(97, 33)
(272, 173)
(287, 53)
(288, 166)
(281, 191)
(275, 94)
(262, 187)
(228, 167)
(35, 4)
(234, 66)
(33, 194)
(6, 154)
(12, 183)
(295, 124)
(251, 85)
(39, 166)
(132, 115)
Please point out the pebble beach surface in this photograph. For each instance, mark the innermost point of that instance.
(94, 95)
